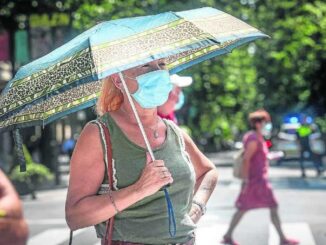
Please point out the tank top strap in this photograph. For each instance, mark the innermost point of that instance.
(177, 132)
(181, 142)
(104, 188)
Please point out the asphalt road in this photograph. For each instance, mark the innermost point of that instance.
(302, 210)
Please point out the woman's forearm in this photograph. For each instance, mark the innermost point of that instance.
(245, 169)
(95, 209)
(10, 204)
(13, 231)
(205, 186)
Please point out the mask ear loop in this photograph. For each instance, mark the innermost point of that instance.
(172, 222)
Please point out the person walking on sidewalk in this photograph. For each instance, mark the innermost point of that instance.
(256, 191)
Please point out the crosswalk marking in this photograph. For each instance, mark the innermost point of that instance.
(235, 185)
(211, 233)
(299, 231)
(279, 183)
(46, 222)
(51, 236)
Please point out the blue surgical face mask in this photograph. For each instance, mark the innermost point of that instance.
(181, 101)
(153, 88)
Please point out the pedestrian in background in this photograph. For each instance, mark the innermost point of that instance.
(13, 228)
(256, 191)
(176, 98)
(304, 134)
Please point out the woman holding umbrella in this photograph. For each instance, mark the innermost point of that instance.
(126, 54)
(136, 202)
(256, 192)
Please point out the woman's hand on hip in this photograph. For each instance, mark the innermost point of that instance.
(195, 213)
(154, 176)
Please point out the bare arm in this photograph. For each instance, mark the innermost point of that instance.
(9, 200)
(83, 206)
(13, 228)
(206, 175)
(250, 150)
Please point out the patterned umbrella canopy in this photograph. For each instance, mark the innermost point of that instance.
(69, 78)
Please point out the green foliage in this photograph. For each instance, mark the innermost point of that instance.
(282, 74)
(321, 122)
(291, 59)
(90, 13)
(35, 172)
(279, 74)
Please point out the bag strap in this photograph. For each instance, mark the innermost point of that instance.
(110, 222)
(105, 136)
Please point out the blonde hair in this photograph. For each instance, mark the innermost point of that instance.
(110, 98)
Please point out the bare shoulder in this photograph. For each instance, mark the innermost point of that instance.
(87, 165)
(88, 148)
(90, 131)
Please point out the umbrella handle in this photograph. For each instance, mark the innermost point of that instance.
(141, 127)
(172, 224)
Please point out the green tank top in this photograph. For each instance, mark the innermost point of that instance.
(147, 220)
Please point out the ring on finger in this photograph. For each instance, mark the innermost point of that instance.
(164, 174)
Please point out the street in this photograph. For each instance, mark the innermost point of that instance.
(237, 76)
(302, 211)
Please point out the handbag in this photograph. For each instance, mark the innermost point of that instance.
(238, 164)
(105, 135)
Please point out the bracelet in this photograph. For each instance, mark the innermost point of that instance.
(201, 206)
(113, 202)
(3, 213)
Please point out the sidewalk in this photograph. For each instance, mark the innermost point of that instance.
(222, 159)
(302, 210)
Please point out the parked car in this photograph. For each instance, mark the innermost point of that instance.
(287, 141)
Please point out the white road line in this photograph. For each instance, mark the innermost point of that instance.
(204, 235)
(52, 236)
(234, 185)
(210, 235)
(298, 231)
(46, 221)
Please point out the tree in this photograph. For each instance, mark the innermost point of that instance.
(281, 74)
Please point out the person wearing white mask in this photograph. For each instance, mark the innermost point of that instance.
(176, 97)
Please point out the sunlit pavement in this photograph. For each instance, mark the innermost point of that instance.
(302, 210)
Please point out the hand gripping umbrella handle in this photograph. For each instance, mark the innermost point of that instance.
(172, 224)
(141, 127)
